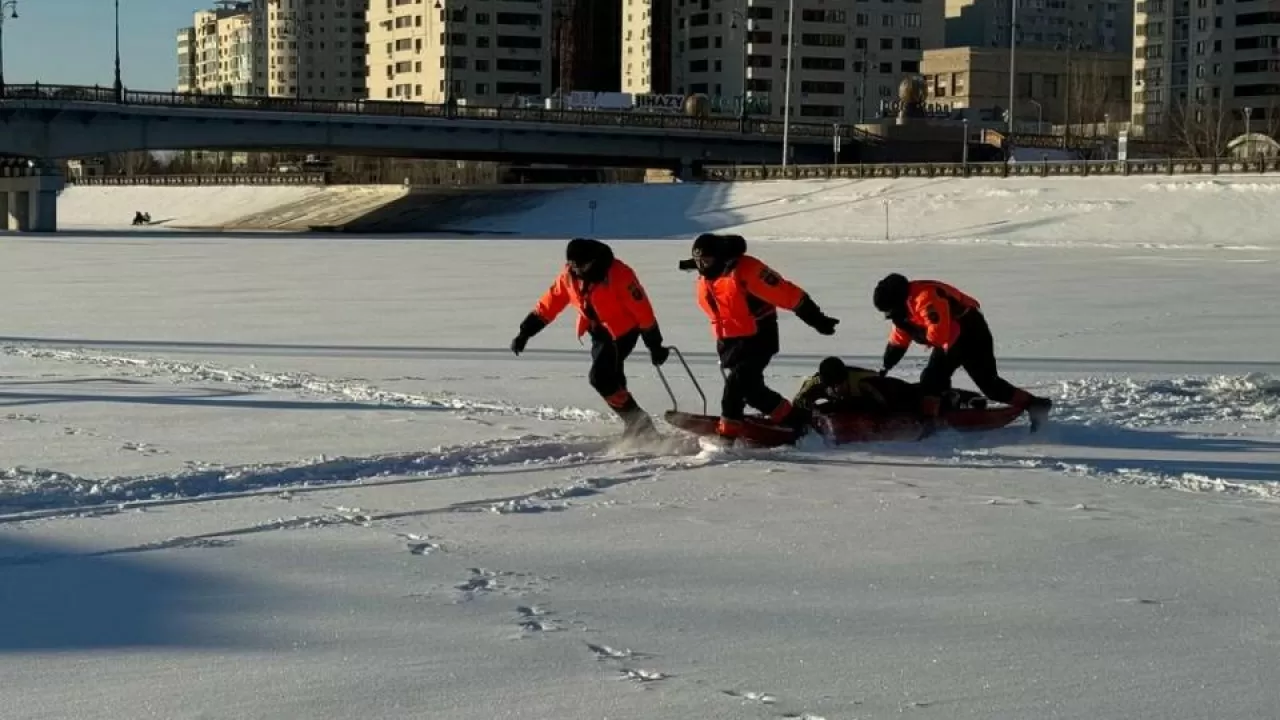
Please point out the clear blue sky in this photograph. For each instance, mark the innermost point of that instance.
(72, 42)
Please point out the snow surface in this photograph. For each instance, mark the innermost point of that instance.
(292, 476)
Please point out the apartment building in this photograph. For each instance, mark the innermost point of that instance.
(186, 59)
(1051, 87)
(313, 49)
(848, 54)
(587, 45)
(218, 54)
(482, 52)
(1092, 25)
(1203, 63)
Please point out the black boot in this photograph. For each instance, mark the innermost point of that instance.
(637, 425)
(1038, 411)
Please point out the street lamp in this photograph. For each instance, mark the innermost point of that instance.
(118, 85)
(786, 100)
(1039, 115)
(1013, 45)
(746, 54)
(12, 7)
(1248, 136)
(964, 149)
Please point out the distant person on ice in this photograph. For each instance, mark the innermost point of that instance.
(614, 309)
(938, 315)
(741, 297)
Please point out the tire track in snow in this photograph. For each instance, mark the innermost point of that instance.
(27, 494)
(578, 488)
(301, 383)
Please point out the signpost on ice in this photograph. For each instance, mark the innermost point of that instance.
(592, 206)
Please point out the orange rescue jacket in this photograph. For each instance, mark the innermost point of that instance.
(747, 291)
(618, 303)
(933, 312)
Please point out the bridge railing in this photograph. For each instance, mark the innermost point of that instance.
(1063, 168)
(189, 180)
(638, 119)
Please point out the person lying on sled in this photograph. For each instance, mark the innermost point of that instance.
(839, 388)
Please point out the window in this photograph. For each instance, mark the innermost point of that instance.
(886, 43)
(826, 87)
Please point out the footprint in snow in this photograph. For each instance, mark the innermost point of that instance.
(143, 448)
(759, 697)
(604, 652)
(533, 619)
(643, 676)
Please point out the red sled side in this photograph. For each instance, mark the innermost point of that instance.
(842, 428)
(755, 429)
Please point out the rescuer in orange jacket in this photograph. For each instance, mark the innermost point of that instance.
(615, 311)
(938, 315)
(741, 297)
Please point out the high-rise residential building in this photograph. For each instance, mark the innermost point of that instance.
(218, 54)
(647, 40)
(314, 49)
(1199, 64)
(489, 52)
(311, 49)
(186, 59)
(847, 55)
(1094, 25)
(587, 45)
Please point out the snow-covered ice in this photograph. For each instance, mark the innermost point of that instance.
(303, 477)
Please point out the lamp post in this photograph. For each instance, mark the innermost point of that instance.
(1039, 115)
(964, 149)
(118, 85)
(1013, 48)
(1248, 136)
(12, 7)
(786, 100)
(746, 54)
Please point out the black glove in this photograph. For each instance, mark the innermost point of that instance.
(653, 340)
(892, 355)
(811, 315)
(530, 326)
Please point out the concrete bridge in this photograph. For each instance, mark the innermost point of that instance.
(59, 122)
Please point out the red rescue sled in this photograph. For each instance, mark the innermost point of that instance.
(837, 428)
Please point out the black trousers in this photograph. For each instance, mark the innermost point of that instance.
(744, 361)
(607, 358)
(974, 351)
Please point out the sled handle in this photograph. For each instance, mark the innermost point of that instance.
(675, 405)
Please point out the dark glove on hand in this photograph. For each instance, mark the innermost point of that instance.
(530, 326)
(659, 355)
(892, 354)
(653, 340)
(811, 315)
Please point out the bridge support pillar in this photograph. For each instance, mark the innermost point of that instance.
(688, 170)
(29, 196)
(19, 214)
